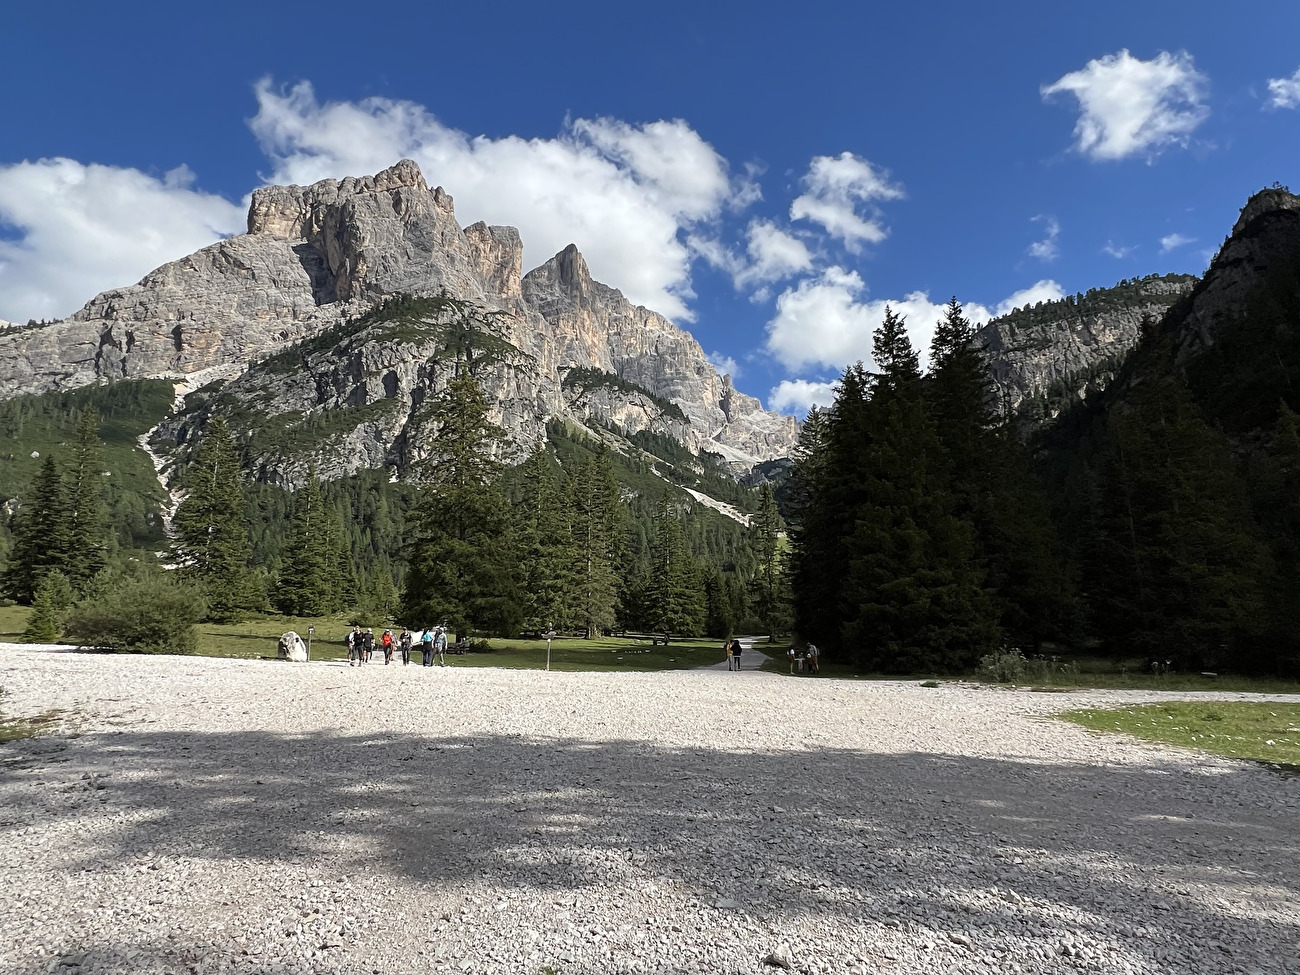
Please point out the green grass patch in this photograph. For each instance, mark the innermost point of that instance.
(1262, 732)
(13, 620)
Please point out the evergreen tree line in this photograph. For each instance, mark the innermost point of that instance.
(1158, 521)
(1178, 492)
(920, 541)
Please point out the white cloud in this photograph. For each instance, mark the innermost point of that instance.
(774, 255)
(1045, 290)
(623, 193)
(1284, 92)
(841, 193)
(725, 364)
(1047, 249)
(1129, 106)
(799, 396)
(1116, 251)
(82, 229)
(826, 322)
(1173, 241)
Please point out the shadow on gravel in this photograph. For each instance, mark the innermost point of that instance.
(967, 845)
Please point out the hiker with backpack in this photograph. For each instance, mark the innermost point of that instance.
(353, 643)
(404, 643)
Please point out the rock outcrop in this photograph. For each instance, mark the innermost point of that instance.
(1053, 351)
(1265, 237)
(291, 648)
(316, 257)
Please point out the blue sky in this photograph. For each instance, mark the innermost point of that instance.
(768, 175)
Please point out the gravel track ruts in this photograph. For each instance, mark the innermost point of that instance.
(203, 815)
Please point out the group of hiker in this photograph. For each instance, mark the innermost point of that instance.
(432, 641)
(808, 659)
(733, 650)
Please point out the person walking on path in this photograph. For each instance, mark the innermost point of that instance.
(404, 642)
(440, 645)
(367, 644)
(353, 642)
(726, 649)
(426, 646)
(386, 641)
(814, 659)
(736, 650)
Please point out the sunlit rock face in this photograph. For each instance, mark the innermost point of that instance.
(317, 256)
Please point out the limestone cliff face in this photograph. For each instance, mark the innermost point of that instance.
(320, 255)
(1266, 236)
(1054, 350)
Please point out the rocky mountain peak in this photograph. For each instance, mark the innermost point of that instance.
(293, 307)
(1273, 198)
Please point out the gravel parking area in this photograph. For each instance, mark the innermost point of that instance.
(204, 815)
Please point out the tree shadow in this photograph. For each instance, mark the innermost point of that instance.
(990, 850)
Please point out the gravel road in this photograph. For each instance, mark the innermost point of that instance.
(203, 815)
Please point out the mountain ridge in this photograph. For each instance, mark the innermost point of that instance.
(316, 256)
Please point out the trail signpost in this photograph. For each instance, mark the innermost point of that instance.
(310, 630)
(550, 635)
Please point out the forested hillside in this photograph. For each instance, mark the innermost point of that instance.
(1157, 520)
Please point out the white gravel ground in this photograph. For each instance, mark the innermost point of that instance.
(201, 815)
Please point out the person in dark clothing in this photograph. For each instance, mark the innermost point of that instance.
(404, 643)
(367, 645)
(735, 653)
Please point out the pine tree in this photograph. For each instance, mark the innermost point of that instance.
(1176, 569)
(460, 560)
(912, 599)
(87, 522)
(546, 552)
(771, 582)
(43, 624)
(1015, 542)
(42, 537)
(212, 542)
(673, 599)
(309, 583)
(597, 522)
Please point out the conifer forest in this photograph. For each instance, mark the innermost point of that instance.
(919, 528)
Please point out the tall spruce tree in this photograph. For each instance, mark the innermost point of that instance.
(913, 600)
(597, 551)
(674, 597)
(88, 531)
(211, 538)
(309, 572)
(547, 575)
(771, 581)
(459, 561)
(41, 533)
(1015, 541)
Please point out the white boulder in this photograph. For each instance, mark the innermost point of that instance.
(292, 648)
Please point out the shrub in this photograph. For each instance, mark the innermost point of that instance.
(147, 614)
(42, 627)
(1013, 667)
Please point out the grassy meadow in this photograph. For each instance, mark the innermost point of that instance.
(1261, 731)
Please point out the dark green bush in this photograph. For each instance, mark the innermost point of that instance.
(147, 614)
